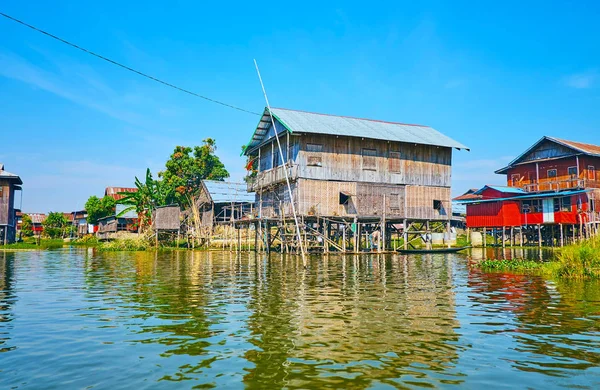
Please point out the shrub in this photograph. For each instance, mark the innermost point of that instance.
(125, 244)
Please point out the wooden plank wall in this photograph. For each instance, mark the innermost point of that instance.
(4, 202)
(342, 160)
(419, 202)
(319, 197)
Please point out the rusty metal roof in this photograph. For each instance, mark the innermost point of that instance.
(578, 147)
(113, 192)
(226, 192)
(584, 148)
(309, 122)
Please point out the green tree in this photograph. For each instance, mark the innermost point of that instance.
(97, 208)
(188, 166)
(26, 226)
(55, 225)
(149, 195)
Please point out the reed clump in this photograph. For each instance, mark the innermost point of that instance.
(125, 244)
(576, 261)
(581, 260)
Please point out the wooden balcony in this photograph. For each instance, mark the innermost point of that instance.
(273, 176)
(558, 185)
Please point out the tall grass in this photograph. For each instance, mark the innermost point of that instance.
(576, 261)
(581, 260)
(125, 244)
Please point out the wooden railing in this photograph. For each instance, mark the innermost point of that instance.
(272, 176)
(557, 185)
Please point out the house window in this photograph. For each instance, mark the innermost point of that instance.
(318, 148)
(369, 159)
(515, 179)
(394, 162)
(551, 173)
(526, 206)
(534, 206)
(276, 159)
(573, 172)
(565, 203)
(314, 161)
(591, 172)
(394, 202)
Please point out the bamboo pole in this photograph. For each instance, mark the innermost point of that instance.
(284, 168)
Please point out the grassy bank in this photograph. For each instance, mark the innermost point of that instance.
(578, 261)
(31, 243)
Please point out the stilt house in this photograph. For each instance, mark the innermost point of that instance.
(223, 202)
(552, 183)
(349, 168)
(9, 183)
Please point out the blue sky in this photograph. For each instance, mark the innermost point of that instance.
(494, 76)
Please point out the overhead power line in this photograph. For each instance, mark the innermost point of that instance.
(125, 66)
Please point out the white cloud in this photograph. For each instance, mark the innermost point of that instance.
(581, 80)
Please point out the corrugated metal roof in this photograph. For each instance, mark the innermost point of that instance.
(37, 217)
(7, 175)
(588, 149)
(511, 190)
(113, 192)
(225, 191)
(530, 196)
(309, 122)
(585, 148)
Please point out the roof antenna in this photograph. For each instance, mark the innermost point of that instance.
(287, 178)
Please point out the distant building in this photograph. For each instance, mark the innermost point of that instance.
(79, 219)
(9, 183)
(222, 201)
(114, 192)
(36, 222)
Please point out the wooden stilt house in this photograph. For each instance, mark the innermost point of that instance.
(551, 195)
(349, 168)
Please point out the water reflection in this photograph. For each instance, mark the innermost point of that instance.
(498, 253)
(221, 319)
(552, 319)
(7, 299)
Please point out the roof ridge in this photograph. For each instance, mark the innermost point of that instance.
(351, 117)
(571, 141)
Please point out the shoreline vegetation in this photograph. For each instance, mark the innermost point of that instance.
(576, 261)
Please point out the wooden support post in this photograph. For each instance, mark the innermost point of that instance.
(326, 234)
(512, 236)
(405, 234)
(428, 235)
(448, 233)
(383, 236)
(503, 236)
(562, 242)
(484, 237)
(344, 226)
(468, 236)
(521, 236)
(355, 237)
(539, 235)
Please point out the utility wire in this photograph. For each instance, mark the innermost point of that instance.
(124, 66)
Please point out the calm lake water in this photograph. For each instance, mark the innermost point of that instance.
(74, 318)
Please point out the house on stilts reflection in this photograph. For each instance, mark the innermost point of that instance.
(551, 196)
(349, 177)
